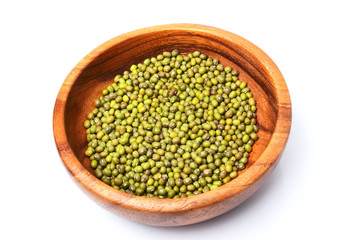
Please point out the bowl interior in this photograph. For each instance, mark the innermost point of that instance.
(119, 54)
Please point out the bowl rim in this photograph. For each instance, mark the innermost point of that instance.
(265, 162)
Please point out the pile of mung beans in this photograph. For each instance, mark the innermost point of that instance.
(173, 126)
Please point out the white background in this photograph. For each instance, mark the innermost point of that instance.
(306, 196)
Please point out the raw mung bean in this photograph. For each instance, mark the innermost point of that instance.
(173, 126)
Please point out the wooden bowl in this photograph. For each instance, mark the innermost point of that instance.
(96, 71)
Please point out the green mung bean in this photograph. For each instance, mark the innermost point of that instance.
(173, 126)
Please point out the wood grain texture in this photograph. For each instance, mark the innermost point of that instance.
(97, 70)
